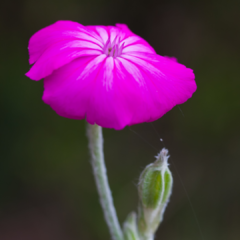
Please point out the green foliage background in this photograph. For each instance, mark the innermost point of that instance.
(46, 185)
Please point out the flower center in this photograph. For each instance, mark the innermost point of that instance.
(114, 48)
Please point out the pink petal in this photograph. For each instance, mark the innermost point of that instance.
(59, 31)
(124, 28)
(60, 54)
(114, 103)
(136, 44)
(169, 83)
(101, 31)
(70, 87)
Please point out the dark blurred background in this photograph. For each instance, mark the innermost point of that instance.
(47, 190)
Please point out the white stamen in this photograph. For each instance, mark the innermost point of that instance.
(113, 49)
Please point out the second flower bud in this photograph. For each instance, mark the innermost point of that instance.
(155, 186)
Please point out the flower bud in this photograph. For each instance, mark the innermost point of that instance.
(155, 186)
(130, 230)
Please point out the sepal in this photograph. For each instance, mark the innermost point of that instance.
(130, 230)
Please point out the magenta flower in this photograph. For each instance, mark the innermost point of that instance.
(106, 74)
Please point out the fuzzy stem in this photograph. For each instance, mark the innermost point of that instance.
(94, 133)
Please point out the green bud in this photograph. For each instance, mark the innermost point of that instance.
(130, 230)
(155, 186)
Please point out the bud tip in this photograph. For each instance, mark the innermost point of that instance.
(162, 158)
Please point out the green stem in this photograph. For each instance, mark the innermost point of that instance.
(94, 133)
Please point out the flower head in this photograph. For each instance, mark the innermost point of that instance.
(106, 74)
